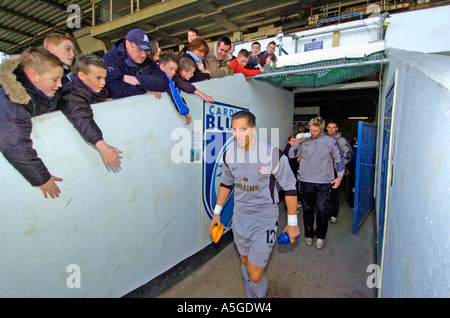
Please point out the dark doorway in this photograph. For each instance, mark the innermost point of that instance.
(342, 106)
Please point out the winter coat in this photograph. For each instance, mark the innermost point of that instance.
(183, 85)
(20, 100)
(119, 63)
(217, 68)
(77, 108)
(198, 75)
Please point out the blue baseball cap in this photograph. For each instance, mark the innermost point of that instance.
(138, 37)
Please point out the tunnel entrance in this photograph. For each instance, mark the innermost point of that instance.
(345, 105)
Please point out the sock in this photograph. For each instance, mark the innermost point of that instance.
(259, 290)
(246, 280)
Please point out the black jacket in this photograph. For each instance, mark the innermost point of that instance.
(77, 108)
(149, 75)
(183, 85)
(198, 75)
(20, 100)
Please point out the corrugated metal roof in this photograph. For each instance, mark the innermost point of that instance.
(168, 21)
(25, 23)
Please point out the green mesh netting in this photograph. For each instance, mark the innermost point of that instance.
(324, 77)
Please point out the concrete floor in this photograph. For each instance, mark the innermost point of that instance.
(296, 270)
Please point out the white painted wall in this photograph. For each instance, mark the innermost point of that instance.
(417, 242)
(422, 30)
(125, 227)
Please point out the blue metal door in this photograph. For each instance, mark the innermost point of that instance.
(365, 173)
(386, 168)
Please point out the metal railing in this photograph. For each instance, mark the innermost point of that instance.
(320, 68)
(341, 16)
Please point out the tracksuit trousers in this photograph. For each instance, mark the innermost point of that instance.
(316, 207)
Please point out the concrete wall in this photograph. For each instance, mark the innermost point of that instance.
(417, 241)
(113, 231)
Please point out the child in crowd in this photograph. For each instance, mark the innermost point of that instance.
(168, 63)
(186, 68)
(267, 59)
(192, 34)
(270, 48)
(196, 51)
(30, 86)
(89, 88)
(239, 63)
(253, 59)
(63, 47)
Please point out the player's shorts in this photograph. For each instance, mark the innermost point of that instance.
(255, 238)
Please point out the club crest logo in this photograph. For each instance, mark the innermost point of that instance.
(264, 170)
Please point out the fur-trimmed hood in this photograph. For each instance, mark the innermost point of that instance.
(8, 80)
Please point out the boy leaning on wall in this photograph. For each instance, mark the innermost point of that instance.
(29, 86)
(88, 87)
(168, 63)
(186, 69)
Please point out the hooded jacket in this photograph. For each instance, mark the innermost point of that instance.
(119, 63)
(20, 100)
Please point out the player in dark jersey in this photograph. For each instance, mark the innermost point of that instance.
(254, 167)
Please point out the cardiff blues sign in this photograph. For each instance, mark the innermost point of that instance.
(217, 137)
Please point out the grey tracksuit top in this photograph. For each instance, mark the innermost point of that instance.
(318, 159)
(346, 149)
(254, 173)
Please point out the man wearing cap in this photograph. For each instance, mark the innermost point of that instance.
(130, 70)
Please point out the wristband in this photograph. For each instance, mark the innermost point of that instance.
(217, 209)
(292, 220)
